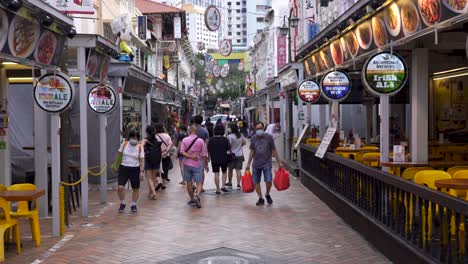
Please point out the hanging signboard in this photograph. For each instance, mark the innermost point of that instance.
(105, 68)
(384, 74)
(177, 28)
(327, 138)
(216, 71)
(225, 47)
(224, 72)
(309, 91)
(142, 27)
(200, 46)
(101, 99)
(73, 7)
(212, 18)
(53, 92)
(336, 85)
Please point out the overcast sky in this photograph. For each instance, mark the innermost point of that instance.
(280, 7)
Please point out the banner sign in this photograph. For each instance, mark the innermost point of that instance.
(281, 51)
(101, 99)
(53, 92)
(384, 74)
(142, 27)
(336, 85)
(216, 71)
(72, 7)
(212, 18)
(25, 38)
(225, 47)
(398, 21)
(309, 91)
(177, 28)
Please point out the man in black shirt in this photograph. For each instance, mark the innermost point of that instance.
(218, 146)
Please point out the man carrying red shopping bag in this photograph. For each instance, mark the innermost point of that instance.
(262, 149)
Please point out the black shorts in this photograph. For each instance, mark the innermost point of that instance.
(152, 165)
(129, 173)
(217, 166)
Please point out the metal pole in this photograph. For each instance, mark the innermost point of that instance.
(83, 129)
(55, 147)
(103, 153)
(384, 129)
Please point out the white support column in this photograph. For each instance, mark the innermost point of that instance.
(143, 119)
(41, 158)
(309, 114)
(120, 90)
(322, 120)
(148, 109)
(268, 107)
(335, 114)
(55, 148)
(419, 105)
(5, 154)
(103, 155)
(83, 129)
(384, 129)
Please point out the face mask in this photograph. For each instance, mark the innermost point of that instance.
(259, 132)
(133, 142)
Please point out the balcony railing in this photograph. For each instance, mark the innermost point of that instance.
(423, 223)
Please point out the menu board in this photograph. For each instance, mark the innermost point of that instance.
(101, 99)
(309, 91)
(336, 85)
(384, 73)
(53, 92)
(25, 38)
(398, 20)
(327, 138)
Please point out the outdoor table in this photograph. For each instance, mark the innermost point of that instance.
(12, 196)
(457, 184)
(434, 164)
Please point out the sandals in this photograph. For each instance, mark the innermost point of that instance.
(152, 197)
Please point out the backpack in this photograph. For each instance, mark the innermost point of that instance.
(152, 150)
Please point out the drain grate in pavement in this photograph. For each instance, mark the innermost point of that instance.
(222, 256)
(212, 192)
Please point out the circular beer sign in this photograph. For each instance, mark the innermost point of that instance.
(336, 85)
(212, 18)
(309, 91)
(53, 92)
(385, 74)
(101, 99)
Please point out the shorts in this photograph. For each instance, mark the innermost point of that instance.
(129, 173)
(217, 166)
(150, 165)
(237, 163)
(257, 174)
(192, 174)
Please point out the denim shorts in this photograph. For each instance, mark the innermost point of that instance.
(192, 174)
(257, 174)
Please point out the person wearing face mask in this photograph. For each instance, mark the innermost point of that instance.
(131, 169)
(262, 149)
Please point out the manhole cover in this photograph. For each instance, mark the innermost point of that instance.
(222, 256)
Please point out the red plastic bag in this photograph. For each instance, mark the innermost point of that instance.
(281, 180)
(247, 182)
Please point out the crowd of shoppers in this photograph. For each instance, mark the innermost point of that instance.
(222, 144)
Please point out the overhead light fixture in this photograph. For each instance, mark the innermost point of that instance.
(450, 75)
(452, 70)
(46, 20)
(70, 31)
(13, 5)
(9, 63)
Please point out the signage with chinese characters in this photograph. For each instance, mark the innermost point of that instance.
(384, 74)
(101, 99)
(73, 7)
(212, 18)
(53, 92)
(142, 27)
(177, 28)
(282, 52)
(336, 85)
(225, 47)
(289, 78)
(309, 91)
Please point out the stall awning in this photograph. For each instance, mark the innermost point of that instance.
(137, 82)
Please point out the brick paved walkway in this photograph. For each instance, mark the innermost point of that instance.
(297, 228)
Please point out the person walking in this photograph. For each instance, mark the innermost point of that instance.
(152, 148)
(262, 148)
(180, 136)
(209, 127)
(237, 142)
(166, 159)
(193, 148)
(204, 135)
(218, 147)
(131, 169)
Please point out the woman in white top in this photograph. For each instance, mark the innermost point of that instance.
(166, 149)
(237, 142)
(131, 169)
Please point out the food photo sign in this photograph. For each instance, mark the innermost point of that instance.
(336, 85)
(97, 65)
(385, 73)
(24, 38)
(309, 91)
(101, 99)
(54, 92)
(397, 21)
